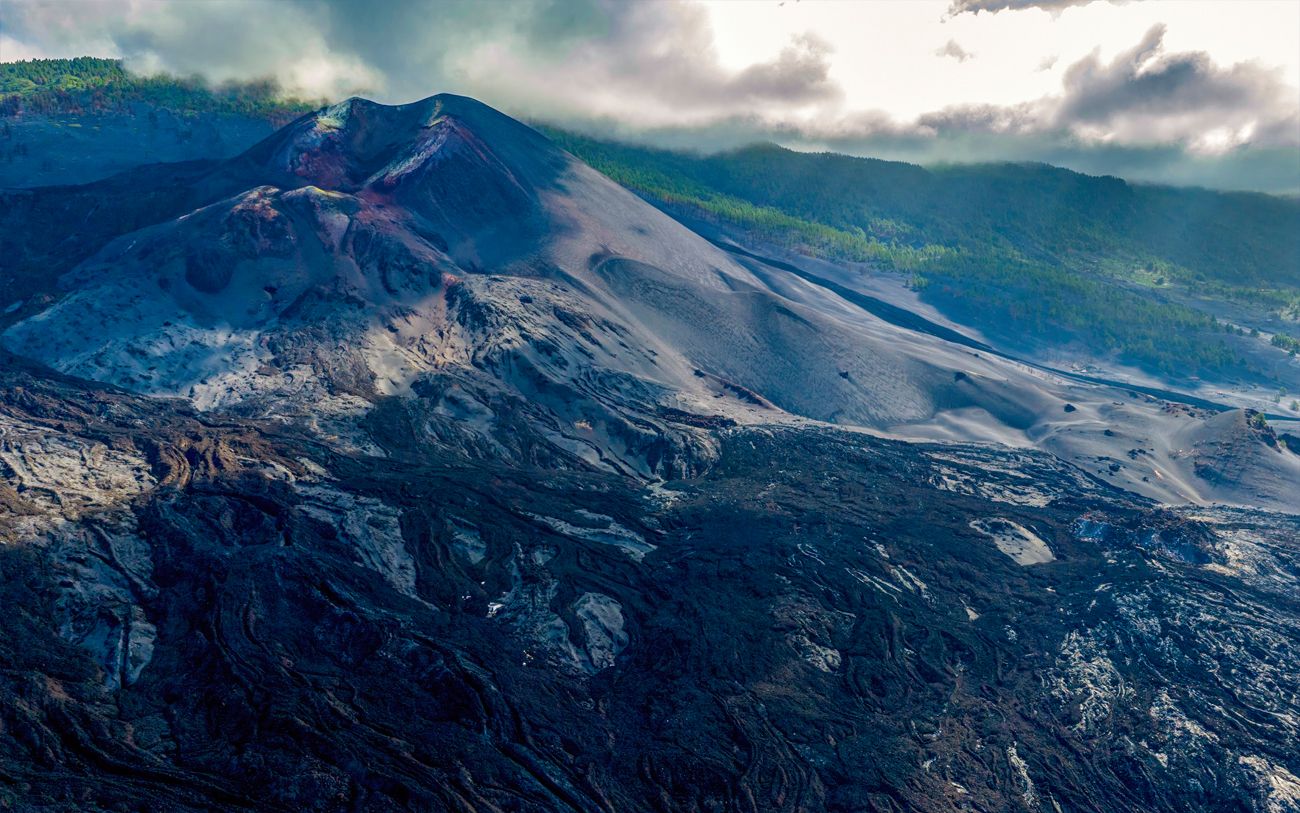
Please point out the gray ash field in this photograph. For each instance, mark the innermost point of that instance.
(405, 463)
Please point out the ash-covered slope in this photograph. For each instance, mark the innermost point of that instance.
(445, 250)
(516, 302)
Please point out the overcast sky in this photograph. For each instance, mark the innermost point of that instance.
(1203, 92)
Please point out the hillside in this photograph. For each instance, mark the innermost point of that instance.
(93, 85)
(1040, 257)
(67, 121)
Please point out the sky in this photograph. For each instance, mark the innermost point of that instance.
(1202, 92)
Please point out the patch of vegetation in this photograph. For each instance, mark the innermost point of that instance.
(92, 85)
(1014, 249)
(766, 222)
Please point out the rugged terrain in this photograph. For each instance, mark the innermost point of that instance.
(405, 462)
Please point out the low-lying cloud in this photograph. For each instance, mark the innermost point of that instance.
(651, 71)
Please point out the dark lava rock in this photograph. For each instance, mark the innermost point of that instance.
(813, 623)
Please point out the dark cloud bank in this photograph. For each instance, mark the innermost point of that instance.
(649, 72)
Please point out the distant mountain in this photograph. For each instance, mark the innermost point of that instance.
(404, 461)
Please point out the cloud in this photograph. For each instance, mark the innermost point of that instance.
(645, 60)
(1023, 118)
(952, 49)
(1146, 94)
(1144, 97)
(1147, 115)
(652, 71)
(651, 67)
(994, 6)
(217, 40)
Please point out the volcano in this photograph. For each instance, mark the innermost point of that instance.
(367, 251)
(406, 462)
